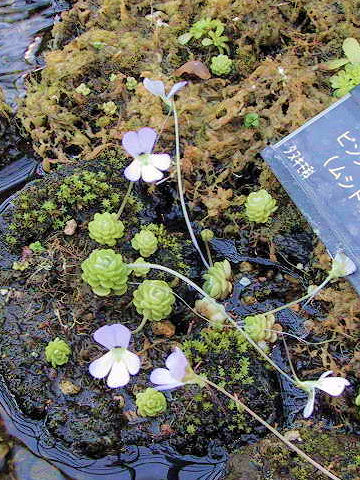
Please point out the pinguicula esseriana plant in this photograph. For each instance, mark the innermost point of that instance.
(262, 328)
(217, 280)
(106, 228)
(140, 272)
(221, 65)
(57, 352)
(106, 273)
(83, 89)
(154, 300)
(150, 402)
(251, 120)
(259, 206)
(145, 242)
(109, 108)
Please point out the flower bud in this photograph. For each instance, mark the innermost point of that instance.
(207, 235)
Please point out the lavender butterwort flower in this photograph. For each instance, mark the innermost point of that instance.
(342, 266)
(118, 363)
(177, 373)
(334, 386)
(146, 165)
(157, 87)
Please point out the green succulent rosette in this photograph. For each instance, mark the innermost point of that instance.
(259, 206)
(106, 228)
(145, 242)
(150, 403)
(217, 280)
(140, 272)
(154, 299)
(260, 328)
(221, 65)
(105, 271)
(57, 352)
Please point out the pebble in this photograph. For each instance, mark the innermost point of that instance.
(70, 227)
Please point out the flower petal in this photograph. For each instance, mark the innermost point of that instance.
(178, 86)
(151, 174)
(101, 367)
(169, 386)
(177, 364)
(147, 137)
(131, 144)
(309, 407)
(132, 362)
(119, 375)
(342, 265)
(334, 386)
(162, 161)
(163, 379)
(111, 336)
(133, 171)
(156, 87)
(325, 374)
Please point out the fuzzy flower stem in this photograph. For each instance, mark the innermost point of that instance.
(272, 429)
(208, 253)
(141, 326)
(308, 296)
(211, 300)
(125, 199)
(180, 186)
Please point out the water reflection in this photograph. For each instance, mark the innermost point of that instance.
(156, 462)
(22, 27)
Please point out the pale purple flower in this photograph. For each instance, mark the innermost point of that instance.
(334, 386)
(157, 87)
(118, 363)
(342, 266)
(146, 165)
(177, 373)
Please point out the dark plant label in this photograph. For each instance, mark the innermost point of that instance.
(319, 166)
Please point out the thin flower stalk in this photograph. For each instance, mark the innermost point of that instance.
(272, 429)
(180, 187)
(125, 199)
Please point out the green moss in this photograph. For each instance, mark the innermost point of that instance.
(72, 194)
